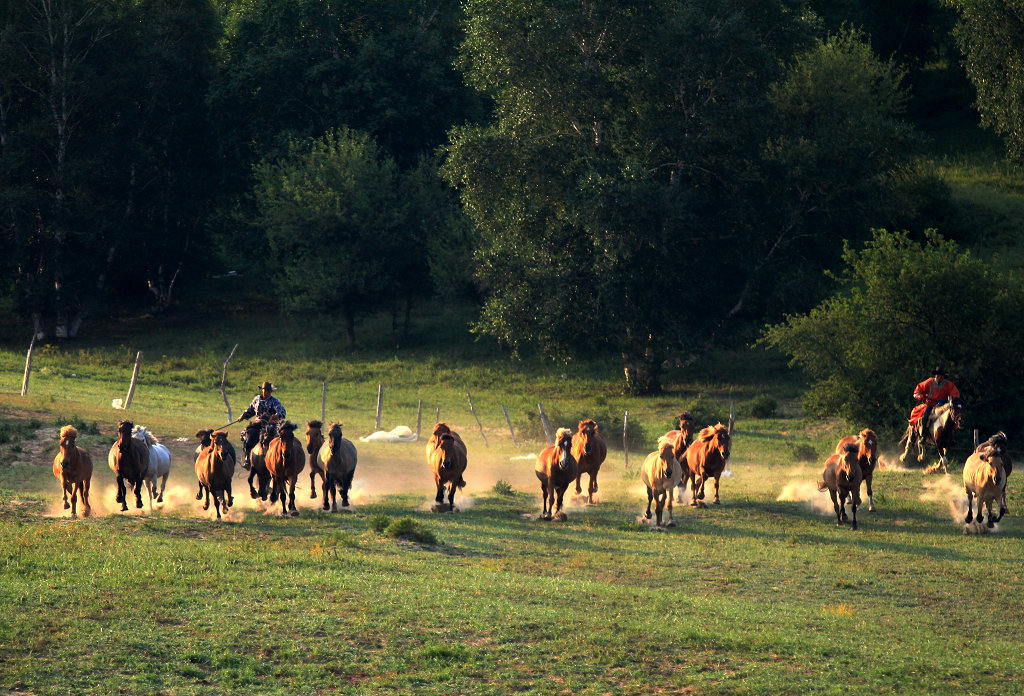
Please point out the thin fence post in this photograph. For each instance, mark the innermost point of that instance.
(223, 380)
(478, 423)
(437, 415)
(509, 421)
(28, 366)
(135, 378)
(625, 440)
(323, 404)
(547, 424)
(419, 418)
(975, 438)
(732, 421)
(380, 402)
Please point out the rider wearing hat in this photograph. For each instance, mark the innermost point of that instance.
(931, 393)
(267, 409)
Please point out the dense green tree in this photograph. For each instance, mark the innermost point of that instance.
(991, 35)
(903, 307)
(333, 216)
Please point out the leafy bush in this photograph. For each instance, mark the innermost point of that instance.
(762, 406)
(411, 530)
(803, 452)
(378, 522)
(503, 487)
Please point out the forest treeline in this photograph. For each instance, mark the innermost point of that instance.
(618, 176)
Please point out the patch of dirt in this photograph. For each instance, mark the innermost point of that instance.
(39, 449)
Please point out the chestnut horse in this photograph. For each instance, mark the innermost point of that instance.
(285, 461)
(215, 466)
(681, 437)
(589, 451)
(706, 458)
(867, 457)
(447, 458)
(73, 468)
(205, 437)
(985, 478)
(314, 441)
(944, 420)
(129, 460)
(661, 472)
(337, 457)
(556, 468)
(842, 477)
(159, 462)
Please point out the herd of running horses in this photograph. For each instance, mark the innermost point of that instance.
(684, 458)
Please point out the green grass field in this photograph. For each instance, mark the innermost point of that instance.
(761, 595)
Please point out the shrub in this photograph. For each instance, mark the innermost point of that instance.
(503, 487)
(762, 406)
(411, 530)
(803, 452)
(378, 522)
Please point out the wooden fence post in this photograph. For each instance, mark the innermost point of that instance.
(625, 440)
(380, 402)
(437, 415)
(419, 418)
(28, 366)
(223, 380)
(546, 423)
(478, 423)
(323, 404)
(975, 438)
(509, 421)
(135, 378)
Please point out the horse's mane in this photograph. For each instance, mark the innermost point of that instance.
(686, 417)
(314, 424)
(68, 430)
(710, 431)
(562, 432)
(141, 433)
(588, 422)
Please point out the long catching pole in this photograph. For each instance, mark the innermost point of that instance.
(223, 382)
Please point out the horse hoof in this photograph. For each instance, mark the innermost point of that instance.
(160, 499)
(562, 517)
(124, 508)
(647, 515)
(717, 502)
(670, 523)
(853, 526)
(294, 513)
(67, 506)
(312, 494)
(871, 507)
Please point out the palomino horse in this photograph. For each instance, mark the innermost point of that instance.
(285, 461)
(73, 468)
(556, 468)
(129, 460)
(985, 478)
(215, 466)
(842, 477)
(447, 458)
(867, 457)
(314, 441)
(589, 451)
(944, 420)
(706, 458)
(159, 462)
(681, 437)
(337, 457)
(661, 473)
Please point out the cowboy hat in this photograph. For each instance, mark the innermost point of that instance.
(267, 385)
(939, 371)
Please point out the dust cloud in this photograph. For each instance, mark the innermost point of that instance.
(803, 488)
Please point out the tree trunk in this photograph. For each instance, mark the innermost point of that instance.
(641, 368)
(350, 329)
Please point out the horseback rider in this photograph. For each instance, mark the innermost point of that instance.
(268, 411)
(931, 392)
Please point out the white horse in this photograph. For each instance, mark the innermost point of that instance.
(159, 462)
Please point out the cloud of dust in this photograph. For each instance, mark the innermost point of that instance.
(803, 488)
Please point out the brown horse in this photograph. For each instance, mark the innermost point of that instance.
(337, 457)
(205, 437)
(556, 468)
(589, 451)
(215, 466)
(661, 472)
(447, 459)
(985, 477)
(944, 420)
(867, 457)
(73, 468)
(129, 460)
(285, 461)
(842, 477)
(258, 465)
(314, 441)
(681, 437)
(706, 458)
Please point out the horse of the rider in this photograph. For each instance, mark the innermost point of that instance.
(268, 412)
(933, 391)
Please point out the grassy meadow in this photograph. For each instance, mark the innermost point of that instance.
(761, 595)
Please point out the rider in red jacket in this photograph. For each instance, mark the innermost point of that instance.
(931, 392)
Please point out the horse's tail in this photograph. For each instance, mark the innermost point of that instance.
(461, 483)
(822, 486)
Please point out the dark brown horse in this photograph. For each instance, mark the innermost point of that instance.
(314, 441)
(842, 477)
(73, 468)
(447, 460)
(556, 468)
(205, 437)
(215, 466)
(285, 461)
(681, 438)
(337, 457)
(867, 457)
(944, 420)
(589, 451)
(129, 460)
(258, 464)
(705, 459)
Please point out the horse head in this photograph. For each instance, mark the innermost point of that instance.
(717, 438)
(334, 437)
(563, 441)
(995, 446)
(124, 436)
(666, 454)
(587, 428)
(446, 444)
(67, 437)
(868, 442)
(956, 412)
(848, 459)
(288, 432)
(314, 436)
(687, 424)
(205, 437)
